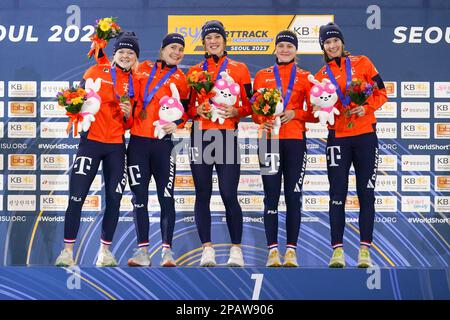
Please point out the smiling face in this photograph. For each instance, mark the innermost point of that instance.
(172, 54)
(214, 44)
(125, 58)
(285, 51)
(333, 47)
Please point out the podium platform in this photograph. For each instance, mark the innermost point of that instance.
(221, 283)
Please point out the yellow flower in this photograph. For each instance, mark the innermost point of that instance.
(77, 100)
(104, 26)
(267, 95)
(109, 20)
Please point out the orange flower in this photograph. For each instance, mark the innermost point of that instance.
(81, 92)
(201, 76)
(266, 109)
(193, 77)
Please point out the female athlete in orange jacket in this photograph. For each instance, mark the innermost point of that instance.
(147, 155)
(284, 154)
(104, 142)
(215, 144)
(347, 144)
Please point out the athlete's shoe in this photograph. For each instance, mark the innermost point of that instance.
(105, 259)
(65, 259)
(208, 257)
(236, 258)
(338, 258)
(364, 260)
(290, 258)
(167, 259)
(273, 259)
(140, 258)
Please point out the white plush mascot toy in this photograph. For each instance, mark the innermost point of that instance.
(277, 122)
(170, 110)
(323, 94)
(92, 104)
(227, 92)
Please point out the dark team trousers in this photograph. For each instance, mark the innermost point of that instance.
(149, 157)
(226, 158)
(362, 151)
(84, 169)
(287, 158)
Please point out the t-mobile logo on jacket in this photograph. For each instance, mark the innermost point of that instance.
(333, 156)
(81, 164)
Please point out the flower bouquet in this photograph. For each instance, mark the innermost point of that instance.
(105, 30)
(72, 99)
(268, 104)
(202, 83)
(359, 92)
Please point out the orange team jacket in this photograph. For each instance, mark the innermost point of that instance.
(364, 70)
(265, 78)
(145, 127)
(109, 125)
(240, 74)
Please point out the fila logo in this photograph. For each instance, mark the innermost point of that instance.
(272, 211)
(137, 206)
(338, 203)
(332, 156)
(133, 177)
(84, 163)
(76, 199)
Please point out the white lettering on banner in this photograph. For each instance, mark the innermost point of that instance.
(17, 33)
(432, 35)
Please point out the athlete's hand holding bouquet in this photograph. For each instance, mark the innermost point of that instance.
(105, 30)
(268, 104)
(203, 84)
(358, 91)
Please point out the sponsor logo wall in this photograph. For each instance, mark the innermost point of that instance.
(413, 126)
